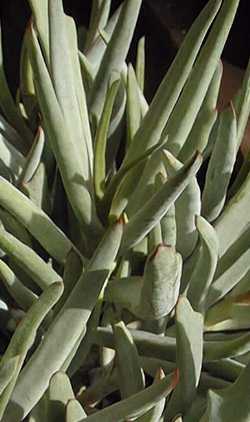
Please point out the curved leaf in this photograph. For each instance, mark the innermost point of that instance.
(220, 166)
(21, 342)
(205, 267)
(40, 272)
(115, 53)
(69, 326)
(130, 374)
(187, 206)
(151, 213)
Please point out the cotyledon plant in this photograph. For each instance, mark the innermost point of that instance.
(124, 284)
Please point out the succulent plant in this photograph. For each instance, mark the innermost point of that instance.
(125, 284)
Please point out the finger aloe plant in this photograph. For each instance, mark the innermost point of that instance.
(124, 283)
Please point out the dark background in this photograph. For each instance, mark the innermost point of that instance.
(157, 19)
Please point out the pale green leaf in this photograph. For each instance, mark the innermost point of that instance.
(200, 78)
(23, 296)
(115, 53)
(205, 266)
(130, 374)
(74, 411)
(59, 393)
(34, 220)
(200, 132)
(55, 348)
(21, 342)
(189, 338)
(187, 206)
(172, 85)
(31, 263)
(155, 208)
(220, 166)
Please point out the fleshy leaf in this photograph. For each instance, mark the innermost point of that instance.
(71, 321)
(23, 296)
(200, 78)
(151, 213)
(220, 166)
(74, 411)
(205, 267)
(199, 134)
(187, 206)
(172, 85)
(115, 53)
(40, 272)
(137, 404)
(59, 393)
(189, 337)
(23, 339)
(161, 283)
(130, 374)
(230, 404)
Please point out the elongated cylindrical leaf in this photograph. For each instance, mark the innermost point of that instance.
(33, 158)
(232, 268)
(161, 283)
(23, 296)
(98, 20)
(61, 142)
(7, 371)
(189, 337)
(134, 115)
(164, 101)
(34, 220)
(55, 348)
(137, 404)
(220, 166)
(148, 344)
(97, 50)
(154, 414)
(74, 411)
(40, 272)
(140, 63)
(62, 75)
(130, 373)
(10, 156)
(200, 78)
(229, 226)
(115, 53)
(21, 342)
(187, 206)
(59, 393)
(199, 135)
(205, 267)
(10, 110)
(223, 405)
(151, 213)
(101, 140)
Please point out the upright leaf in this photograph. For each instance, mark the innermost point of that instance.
(151, 213)
(204, 270)
(21, 342)
(31, 263)
(130, 374)
(220, 166)
(59, 393)
(55, 348)
(115, 53)
(189, 338)
(200, 78)
(172, 85)
(187, 206)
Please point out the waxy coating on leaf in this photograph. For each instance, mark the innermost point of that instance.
(100, 149)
